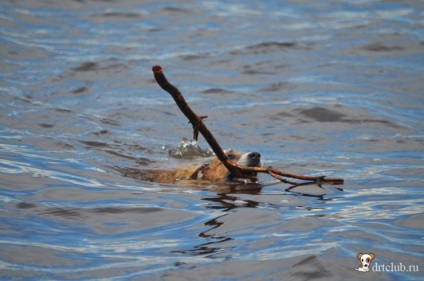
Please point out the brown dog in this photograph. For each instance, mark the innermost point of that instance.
(211, 171)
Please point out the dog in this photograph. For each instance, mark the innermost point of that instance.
(366, 260)
(210, 171)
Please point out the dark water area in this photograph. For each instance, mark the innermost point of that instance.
(329, 88)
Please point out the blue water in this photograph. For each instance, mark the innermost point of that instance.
(332, 88)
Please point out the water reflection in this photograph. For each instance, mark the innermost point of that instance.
(228, 201)
(214, 244)
(233, 219)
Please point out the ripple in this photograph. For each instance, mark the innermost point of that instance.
(323, 88)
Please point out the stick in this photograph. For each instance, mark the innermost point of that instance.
(199, 126)
(195, 120)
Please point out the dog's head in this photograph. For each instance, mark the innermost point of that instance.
(248, 159)
(366, 259)
(216, 170)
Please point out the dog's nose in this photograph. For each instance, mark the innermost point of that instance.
(254, 155)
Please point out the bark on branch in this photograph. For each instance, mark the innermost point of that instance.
(199, 126)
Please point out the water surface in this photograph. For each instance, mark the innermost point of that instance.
(332, 88)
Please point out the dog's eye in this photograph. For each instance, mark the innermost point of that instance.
(362, 260)
(231, 156)
(368, 259)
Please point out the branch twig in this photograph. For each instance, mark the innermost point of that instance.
(199, 126)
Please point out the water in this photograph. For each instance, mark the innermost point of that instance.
(317, 88)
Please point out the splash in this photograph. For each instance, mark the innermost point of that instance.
(188, 149)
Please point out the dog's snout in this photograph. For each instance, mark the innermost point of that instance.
(254, 155)
(251, 159)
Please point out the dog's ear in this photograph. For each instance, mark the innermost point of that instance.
(359, 256)
(372, 255)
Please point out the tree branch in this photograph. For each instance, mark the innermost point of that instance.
(199, 126)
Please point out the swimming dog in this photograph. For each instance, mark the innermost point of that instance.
(211, 171)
